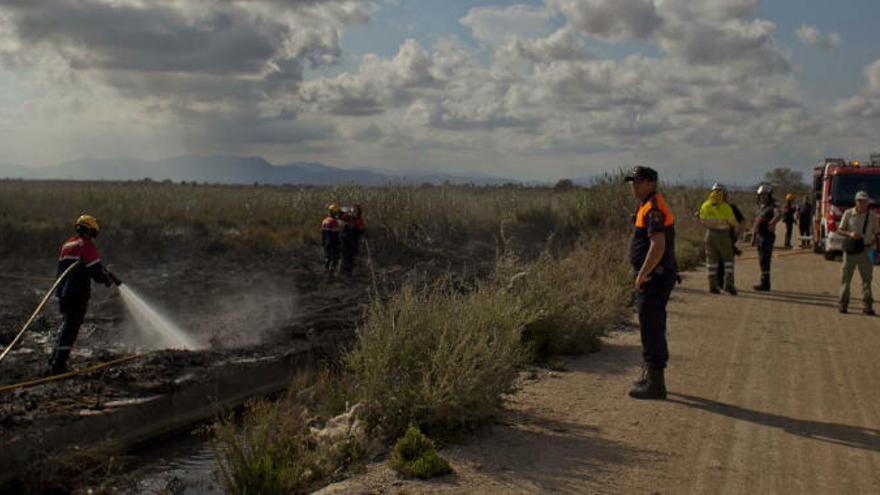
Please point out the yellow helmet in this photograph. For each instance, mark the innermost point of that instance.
(87, 221)
(789, 197)
(333, 208)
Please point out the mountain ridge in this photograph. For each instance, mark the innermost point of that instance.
(226, 169)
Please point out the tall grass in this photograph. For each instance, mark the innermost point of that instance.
(158, 219)
(272, 452)
(437, 357)
(575, 300)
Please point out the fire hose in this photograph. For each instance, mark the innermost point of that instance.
(69, 374)
(37, 311)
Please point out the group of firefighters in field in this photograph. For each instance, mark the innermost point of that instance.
(341, 233)
(79, 263)
(652, 255)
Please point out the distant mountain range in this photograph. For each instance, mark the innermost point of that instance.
(233, 170)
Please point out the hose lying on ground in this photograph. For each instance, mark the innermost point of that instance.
(69, 374)
(37, 311)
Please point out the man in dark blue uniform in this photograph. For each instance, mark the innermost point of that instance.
(652, 254)
(764, 234)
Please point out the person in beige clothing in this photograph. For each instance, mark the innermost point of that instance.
(858, 224)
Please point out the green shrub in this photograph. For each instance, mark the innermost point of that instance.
(437, 357)
(271, 452)
(575, 300)
(414, 456)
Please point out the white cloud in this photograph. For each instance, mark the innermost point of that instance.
(611, 20)
(214, 69)
(810, 35)
(533, 94)
(496, 25)
(861, 112)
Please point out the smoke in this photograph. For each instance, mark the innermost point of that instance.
(246, 316)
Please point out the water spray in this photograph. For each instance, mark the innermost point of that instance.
(152, 324)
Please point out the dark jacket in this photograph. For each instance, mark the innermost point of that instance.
(77, 286)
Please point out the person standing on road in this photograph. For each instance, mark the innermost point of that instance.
(718, 218)
(652, 255)
(860, 228)
(764, 233)
(740, 218)
(805, 221)
(75, 290)
(789, 210)
(735, 232)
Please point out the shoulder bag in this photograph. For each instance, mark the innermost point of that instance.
(856, 246)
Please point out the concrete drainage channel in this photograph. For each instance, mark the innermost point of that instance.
(136, 422)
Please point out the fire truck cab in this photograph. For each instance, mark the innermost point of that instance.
(835, 183)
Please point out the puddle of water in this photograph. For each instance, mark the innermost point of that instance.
(185, 467)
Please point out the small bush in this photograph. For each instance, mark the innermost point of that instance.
(573, 301)
(414, 455)
(438, 358)
(271, 452)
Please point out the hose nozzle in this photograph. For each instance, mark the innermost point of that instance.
(114, 279)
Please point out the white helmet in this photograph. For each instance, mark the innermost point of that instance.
(719, 187)
(765, 189)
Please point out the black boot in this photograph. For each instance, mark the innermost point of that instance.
(643, 377)
(713, 284)
(58, 362)
(729, 284)
(654, 387)
(764, 286)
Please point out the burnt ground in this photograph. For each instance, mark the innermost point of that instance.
(240, 309)
(235, 311)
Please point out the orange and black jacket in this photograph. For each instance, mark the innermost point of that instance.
(353, 225)
(651, 217)
(330, 231)
(77, 286)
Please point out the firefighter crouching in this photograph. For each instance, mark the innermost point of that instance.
(764, 233)
(652, 254)
(353, 230)
(718, 218)
(75, 290)
(331, 229)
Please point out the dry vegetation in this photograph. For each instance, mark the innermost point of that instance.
(441, 355)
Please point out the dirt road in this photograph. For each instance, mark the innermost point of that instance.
(769, 393)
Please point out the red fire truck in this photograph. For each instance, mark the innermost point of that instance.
(835, 183)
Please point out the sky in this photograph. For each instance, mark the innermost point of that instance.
(532, 90)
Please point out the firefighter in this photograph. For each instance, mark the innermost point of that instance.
(735, 232)
(718, 218)
(331, 227)
(75, 290)
(354, 229)
(861, 229)
(805, 221)
(764, 232)
(652, 254)
(789, 210)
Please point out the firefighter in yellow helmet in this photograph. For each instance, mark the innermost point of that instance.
(75, 289)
